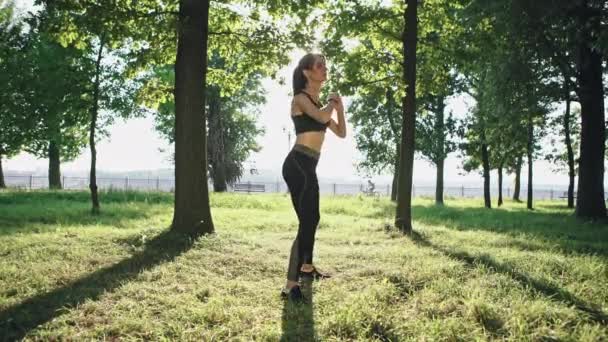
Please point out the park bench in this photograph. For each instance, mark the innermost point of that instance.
(249, 187)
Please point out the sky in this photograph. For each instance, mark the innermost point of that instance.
(133, 145)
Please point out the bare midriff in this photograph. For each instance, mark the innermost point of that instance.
(313, 140)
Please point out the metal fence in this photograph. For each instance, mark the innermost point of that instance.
(167, 185)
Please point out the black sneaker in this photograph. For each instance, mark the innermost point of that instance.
(293, 295)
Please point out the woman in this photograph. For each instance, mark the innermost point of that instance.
(311, 121)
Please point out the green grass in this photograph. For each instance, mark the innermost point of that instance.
(466, 274)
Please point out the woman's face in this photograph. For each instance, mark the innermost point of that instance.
(318, 72)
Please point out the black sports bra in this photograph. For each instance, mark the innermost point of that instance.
(305, 123)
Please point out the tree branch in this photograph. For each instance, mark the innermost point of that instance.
(390, 101)
(372, 82)
(392, 35)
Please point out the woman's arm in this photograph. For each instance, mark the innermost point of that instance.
(322, 115)
(339, 128)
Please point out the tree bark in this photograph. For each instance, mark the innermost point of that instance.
(485, 161)
(439, 162)
(192, 213)
(219, 178)
(590, 202)
(2, 183)
(395, 187)
(500, 185)
(215, 143)
(530, 147)
(517, 187)
(54, 165)
(403, 217)
(390, 102)
(439, 182)
(570, 152)
(95, 209)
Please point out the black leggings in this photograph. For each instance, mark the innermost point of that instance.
(301, 178)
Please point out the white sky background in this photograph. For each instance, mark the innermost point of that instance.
(134, 145)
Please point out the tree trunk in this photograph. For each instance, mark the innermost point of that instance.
(192, 213)
(2, 183)
(590, 195)
(439, 163)
(439, 182)
(390, 102)
(570, 154)
(530, 147)
(215, 143)
(395, 187)
(54, 166)
(500, 185)
(219, 178)
(485, 161)
(403, 217)
(517, 187)
(95, 209)
(219, 183)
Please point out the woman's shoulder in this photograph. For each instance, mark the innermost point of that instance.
(299, 97)
(303, 98)
(296, 100)
(295, 108)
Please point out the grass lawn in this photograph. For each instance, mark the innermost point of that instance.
(467, 273)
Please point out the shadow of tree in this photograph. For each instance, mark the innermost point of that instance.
(549, 229)
(72, 216)
(593, 311)
(39, 211)
(16, 321)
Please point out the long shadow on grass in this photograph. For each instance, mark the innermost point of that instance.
(38, 211)
(53, 216)
(16, 321)
(298, 322)
(593, 311)
(550, 229)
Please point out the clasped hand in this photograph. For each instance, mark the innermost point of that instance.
(337, 100)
